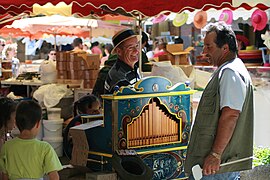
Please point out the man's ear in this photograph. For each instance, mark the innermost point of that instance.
(117, 50)
(225, 48)
(38, 124)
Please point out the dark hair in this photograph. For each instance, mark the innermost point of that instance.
(77, 42)
(109, 47)
(52, 49)
(94, 44)
(144, 37)
(84, 103)
(7, 106)
(28, 113)
(225, 35)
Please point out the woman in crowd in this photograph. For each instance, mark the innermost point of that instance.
(95, 48)
(7, 117)
(10, 53)
(161, 49)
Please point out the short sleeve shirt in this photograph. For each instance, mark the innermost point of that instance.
(233, 88)
(20, 158)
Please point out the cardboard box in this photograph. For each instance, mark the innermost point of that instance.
(101, 176)
(61, 65)
(89, 83)
(177, 55)
(73, 65)
(91, 74)
(90, 61)
(61, 74)
(61, 56)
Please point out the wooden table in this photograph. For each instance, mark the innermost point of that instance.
(27, 83)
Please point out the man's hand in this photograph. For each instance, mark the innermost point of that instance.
(226, 126)
(211, 165)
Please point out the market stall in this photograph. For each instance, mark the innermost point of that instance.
(121, 139)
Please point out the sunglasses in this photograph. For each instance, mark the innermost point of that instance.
(53, 54)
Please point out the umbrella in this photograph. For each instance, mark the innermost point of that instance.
(8, 31)
(62, 25)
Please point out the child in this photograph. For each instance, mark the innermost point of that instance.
(7, 117)
(89, 105)
(25, 156)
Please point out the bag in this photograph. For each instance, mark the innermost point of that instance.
(48, 72)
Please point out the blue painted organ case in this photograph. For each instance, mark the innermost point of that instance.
(154, 119)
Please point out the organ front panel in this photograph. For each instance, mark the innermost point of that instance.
(154, 126)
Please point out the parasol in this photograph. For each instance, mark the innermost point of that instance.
(62, 25)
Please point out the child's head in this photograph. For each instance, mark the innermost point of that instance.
(7, 113)
(28, 114)
(88, 104)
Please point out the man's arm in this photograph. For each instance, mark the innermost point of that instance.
(226, 126)
(53, 175)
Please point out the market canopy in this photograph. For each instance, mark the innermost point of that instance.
(63, 25)
(135, 7)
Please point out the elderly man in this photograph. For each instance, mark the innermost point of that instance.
(223, 127)
(125, 70)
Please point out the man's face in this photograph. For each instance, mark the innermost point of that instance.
(52, 55)
(129, 51)
(212, 51)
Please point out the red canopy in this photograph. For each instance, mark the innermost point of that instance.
(144, 7)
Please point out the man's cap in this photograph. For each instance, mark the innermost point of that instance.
(122, 36)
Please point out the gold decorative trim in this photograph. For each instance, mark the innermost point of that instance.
(100, 154)
(133, 96)
(162, 150)
(142, 152)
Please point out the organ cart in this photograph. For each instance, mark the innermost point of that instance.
(154, 119)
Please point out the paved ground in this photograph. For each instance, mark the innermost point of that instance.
(257, 173)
